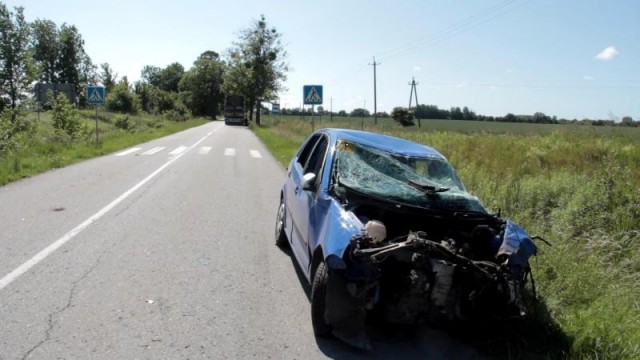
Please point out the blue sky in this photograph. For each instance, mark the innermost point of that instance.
(570, 58)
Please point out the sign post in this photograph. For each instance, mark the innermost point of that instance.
(95, 96)
(312, 95)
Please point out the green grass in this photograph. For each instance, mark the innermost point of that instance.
(46, 150)
(578, 187)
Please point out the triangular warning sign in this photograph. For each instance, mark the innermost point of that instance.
(95, 96)
(313, 96)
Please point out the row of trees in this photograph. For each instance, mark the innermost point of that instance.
(44, 52)
(39, 51)
(254, 66)
(457, 113)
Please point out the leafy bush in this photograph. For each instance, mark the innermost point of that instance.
(122, 100)
(14, 127)
(180, 113)
(403, 116)
(124, 122)
(65, 119)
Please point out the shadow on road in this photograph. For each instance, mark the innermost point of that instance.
(536, 338)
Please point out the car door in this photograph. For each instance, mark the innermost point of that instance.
(293, 184)
(305, 199)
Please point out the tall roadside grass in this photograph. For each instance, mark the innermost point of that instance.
(578, 189)
(47, 149)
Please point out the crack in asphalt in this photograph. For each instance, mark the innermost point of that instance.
(50, 320)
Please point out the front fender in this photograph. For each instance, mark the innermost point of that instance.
(334, 227)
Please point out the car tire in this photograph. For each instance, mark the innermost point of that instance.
(318, 301)
(281, 237)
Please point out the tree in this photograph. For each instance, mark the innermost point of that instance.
(17, 69)
(74, 65)
(510, 118)
(107, 77)
(201, 85)
(46, 48)
(257, 65)
(169, 77)
(71, 48)
(151, 75)
(541, 118)
(456, 114)
(468, 114)
(359, 112)
(403, 116)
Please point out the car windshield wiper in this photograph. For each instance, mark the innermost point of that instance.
(428, 189)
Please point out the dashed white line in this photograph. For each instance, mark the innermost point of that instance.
(153, 151)
(26, 266)
(178, 150)
(229, 152)
(129, 151)
(255, 154)
(204, 150)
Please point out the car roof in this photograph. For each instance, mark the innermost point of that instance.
(384, 142)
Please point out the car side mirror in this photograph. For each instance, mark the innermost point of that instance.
(308, 181)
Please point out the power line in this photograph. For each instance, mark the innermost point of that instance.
(457, 29)
(455, 26)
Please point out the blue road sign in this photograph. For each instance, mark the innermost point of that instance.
(275, 108)
(95, 95)
(312, 94)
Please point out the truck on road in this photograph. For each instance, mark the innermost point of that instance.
(234, 110)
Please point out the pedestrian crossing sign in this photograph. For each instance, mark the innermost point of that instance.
(95, 95)
(312, 94)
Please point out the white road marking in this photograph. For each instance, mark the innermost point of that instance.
(204, 150)
(255, 154)
(153, 151)
(178, 150)
(129, 151)
(229, 152)
(26, 266)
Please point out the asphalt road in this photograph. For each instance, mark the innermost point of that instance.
(165, 251)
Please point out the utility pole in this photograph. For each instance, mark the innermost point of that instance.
(414, 90)
(331, 110)
(375, 100)
(364, 107)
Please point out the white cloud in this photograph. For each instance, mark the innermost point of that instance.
(608, 54)
(587, 77)
(417, 68)
(493, 87)
(462, 84)
(509, 70)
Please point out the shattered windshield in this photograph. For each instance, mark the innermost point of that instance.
(423, 181)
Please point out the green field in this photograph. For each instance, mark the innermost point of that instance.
(462, 126)
(576, 186)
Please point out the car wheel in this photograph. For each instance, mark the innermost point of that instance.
(281, 237)
(318, 300)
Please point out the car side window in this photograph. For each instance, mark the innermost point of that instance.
(317, 156)
(306, 150)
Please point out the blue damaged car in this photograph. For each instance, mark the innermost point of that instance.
(383, 225)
